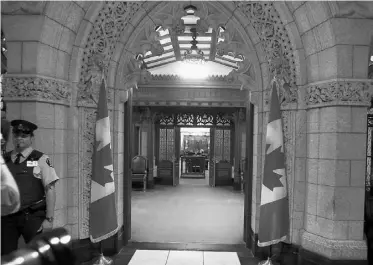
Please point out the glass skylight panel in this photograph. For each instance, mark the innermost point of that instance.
(182, 51)
(185, 38)
(168, 47)
(166, 40)
(232, 58)
(163, 32)
(200, 46)
(203, 46)
(185, 45)
(226, 62)
(161, 62)
(204, 38)
(150, 59)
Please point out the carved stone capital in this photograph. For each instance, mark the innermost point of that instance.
(37, 88)
(340, 92)
(147, 115)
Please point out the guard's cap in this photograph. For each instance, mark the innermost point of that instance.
(22, 126)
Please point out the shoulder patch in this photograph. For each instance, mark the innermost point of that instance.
(48, 161)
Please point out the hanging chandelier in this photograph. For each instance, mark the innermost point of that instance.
(194, 55)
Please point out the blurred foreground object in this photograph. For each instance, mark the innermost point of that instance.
(50, 248)
(10, 197)
(4, 60)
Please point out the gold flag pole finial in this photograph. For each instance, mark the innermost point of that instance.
(266, 262)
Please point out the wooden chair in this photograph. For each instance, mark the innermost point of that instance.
(140, 170)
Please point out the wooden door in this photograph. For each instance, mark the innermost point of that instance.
(166, 155)
(212, 158)
(222, 153)
(176, 172)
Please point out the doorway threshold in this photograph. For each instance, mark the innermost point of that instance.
(239, 248)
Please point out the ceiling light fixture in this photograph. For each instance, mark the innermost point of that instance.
(194, 55)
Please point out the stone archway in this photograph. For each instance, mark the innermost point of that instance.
(269, 31)
(319, 51)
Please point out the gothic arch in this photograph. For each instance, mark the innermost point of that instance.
(116, 56)
(120, 43)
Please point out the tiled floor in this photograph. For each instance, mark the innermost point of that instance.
(180, 257)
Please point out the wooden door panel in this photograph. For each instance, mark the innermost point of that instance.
(165, 171)
(212, 158)
(223, 163)
(177, 157)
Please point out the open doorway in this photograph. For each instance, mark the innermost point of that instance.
(194, 156)
(194, 201)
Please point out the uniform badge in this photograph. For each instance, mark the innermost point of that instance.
(48, 162)
(32, 163)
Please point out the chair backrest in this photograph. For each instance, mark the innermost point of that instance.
(139, 164)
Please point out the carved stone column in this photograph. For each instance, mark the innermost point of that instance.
(335, 176)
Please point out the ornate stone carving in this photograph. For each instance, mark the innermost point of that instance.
(90, 84)
(284, 93)
(37, 88)
(171, 20)
(340, 92)
(231, 45)
(244, 75)
(166, 77)
(136, 74)
(146, 115)
(148, 40)
(87, 118)
(110, 22)
(275, 42)
(290, 141)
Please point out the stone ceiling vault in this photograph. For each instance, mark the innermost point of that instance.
(255, 30)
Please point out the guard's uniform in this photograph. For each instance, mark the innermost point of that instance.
(32, 174)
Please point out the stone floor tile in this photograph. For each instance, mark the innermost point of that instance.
(220, 258)
(149, 257)
(185, 258)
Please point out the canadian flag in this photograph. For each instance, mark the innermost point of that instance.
(102, 212)
(274, 205)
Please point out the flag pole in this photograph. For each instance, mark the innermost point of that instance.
(269, 260)
(101, 259)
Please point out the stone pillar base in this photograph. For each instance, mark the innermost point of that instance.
(335, 249)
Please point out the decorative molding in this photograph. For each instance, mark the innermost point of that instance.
(211, 78)
(36, 88)
(275, 41)
(190, 94)
(335, 249)
(187, 103)
(87, 118)
(340, 92)
(112, 19)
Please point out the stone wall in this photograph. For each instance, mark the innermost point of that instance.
(320, 50)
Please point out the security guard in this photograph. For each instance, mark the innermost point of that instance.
(35, 177)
